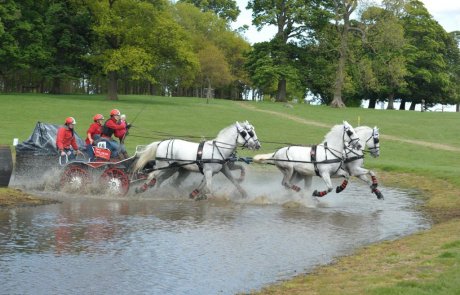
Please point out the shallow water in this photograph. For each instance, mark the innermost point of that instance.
(163, 243)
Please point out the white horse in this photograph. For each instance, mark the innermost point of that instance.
(208, 157)
(354, 159)
(324, 160)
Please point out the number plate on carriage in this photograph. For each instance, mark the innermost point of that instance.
(101, 153)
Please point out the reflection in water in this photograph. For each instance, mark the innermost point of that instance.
(171, 245)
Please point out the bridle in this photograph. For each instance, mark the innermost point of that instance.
(246, 132)
(354, 142)
(375, 137)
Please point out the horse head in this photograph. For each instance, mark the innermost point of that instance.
(247, 136)
(350, 136)
(373, 143)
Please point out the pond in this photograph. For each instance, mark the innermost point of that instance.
(161, 242)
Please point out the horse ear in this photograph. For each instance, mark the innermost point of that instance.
(238, 125)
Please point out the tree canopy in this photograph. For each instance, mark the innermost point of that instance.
(339, 51)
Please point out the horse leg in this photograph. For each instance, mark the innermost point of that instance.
(234, 166)
(361, 173)
(327, 179)
(182, 175)
(296, 178)
(197, 191)
(286, 182)
(156, 178)
(374, 185)
(344, 184)
(307, 181)
(151, 181)
(207, 183)
(226, 171)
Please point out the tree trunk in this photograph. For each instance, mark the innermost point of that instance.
(56, 86)
(281, 94)
(412, 106)
(457, 107)
(113, 86)
(208, 93)
(337, 101)
(402, 106)
(391, 99)
(372, 103)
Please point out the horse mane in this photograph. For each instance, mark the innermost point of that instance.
(331, 137)
(225, 130)
(357, 129)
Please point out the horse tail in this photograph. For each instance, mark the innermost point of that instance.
(263, 158)
(147, 155)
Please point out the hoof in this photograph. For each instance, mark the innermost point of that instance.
(319, 194)
(338, 189)
(374, 186)
(201, 197)
(194, 194)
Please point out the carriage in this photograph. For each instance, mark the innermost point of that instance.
(39, 154)
(160, 160)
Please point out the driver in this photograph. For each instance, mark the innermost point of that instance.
(65, 139)
(109, 128)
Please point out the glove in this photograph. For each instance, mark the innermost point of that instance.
(62, 153)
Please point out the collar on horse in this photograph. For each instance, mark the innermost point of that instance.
(199, 157)
(336, 159)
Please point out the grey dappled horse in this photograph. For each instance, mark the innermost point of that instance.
(207, 157)
(324, 160)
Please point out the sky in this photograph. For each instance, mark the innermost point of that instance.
(445, 12)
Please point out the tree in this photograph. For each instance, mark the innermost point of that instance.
(68, 38)
(10, 15)
(384, 50)
(455, 68)
(343, 10)
(207, 30)
(225, 9)
(427, 56)
(214, 68)
(291, 18)
(133, 38)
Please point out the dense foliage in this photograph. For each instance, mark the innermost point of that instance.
(338, 51)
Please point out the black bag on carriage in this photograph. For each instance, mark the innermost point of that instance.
(39, 153)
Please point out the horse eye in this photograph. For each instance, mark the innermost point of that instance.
(251, 133)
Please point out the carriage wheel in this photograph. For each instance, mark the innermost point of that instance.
(75, 178)
(115, 181)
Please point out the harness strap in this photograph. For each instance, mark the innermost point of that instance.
(313, 158)
(354, 158)
(199, 157)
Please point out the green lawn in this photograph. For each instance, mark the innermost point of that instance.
(423, 264)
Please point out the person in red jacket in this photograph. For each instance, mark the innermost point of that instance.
(121, 135)
(108, 129)
(65, 139)
(93, 134)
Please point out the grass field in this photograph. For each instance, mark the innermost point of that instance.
(418, 150)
